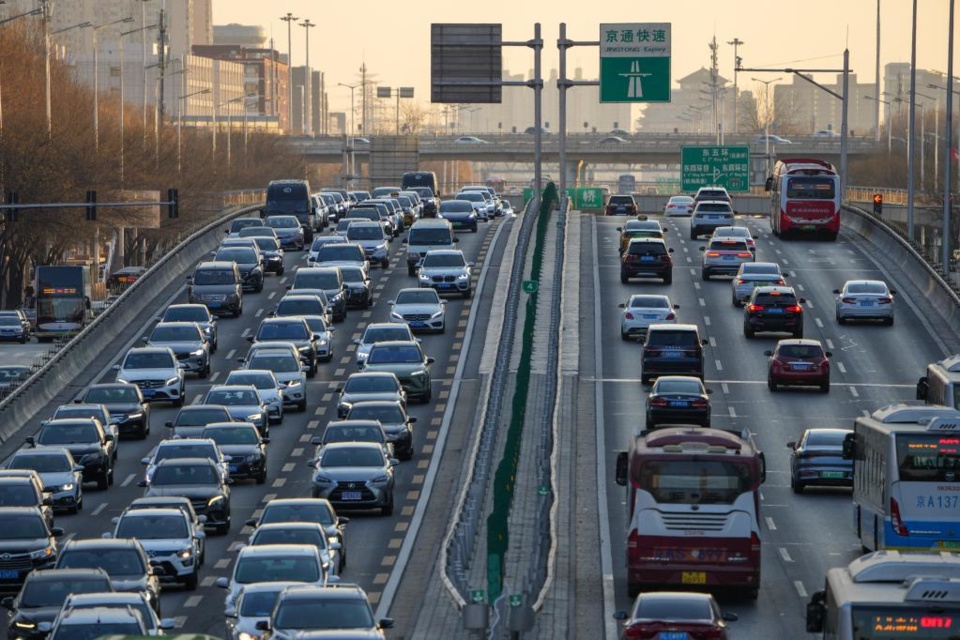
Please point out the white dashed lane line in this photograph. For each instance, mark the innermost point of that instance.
(770, 523)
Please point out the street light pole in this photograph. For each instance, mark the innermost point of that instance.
(352, 132)
(307, 81)
(45, 10)
(766, 116)
(947, 208)
(96, 80)
(736, 42)
(180, 108)
(122, 98)
(289, 19)
(889, 128)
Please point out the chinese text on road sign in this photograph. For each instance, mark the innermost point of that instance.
(635, 62)
(715, 166)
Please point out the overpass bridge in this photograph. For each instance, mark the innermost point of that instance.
(592, 149)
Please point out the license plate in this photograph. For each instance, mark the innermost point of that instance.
(233, 468)
(774, 311)
(729, 257)
(148, 393)
(213, 303)
(713, 217)
(808, 227)
(948, 544)
(445, 285)
(672, 354)
(9, 574)
(836, 475)
(693, 577)
(417, 324)
(866, 303)
(649, 316)
(679, 403)
(673, 635)
(800, 366)
(647, 258)
(351, 495)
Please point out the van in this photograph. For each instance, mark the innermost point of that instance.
(424, 235)
(671, 349)
(218, 286)
(413, 179)
(292, 198)
(941, 385)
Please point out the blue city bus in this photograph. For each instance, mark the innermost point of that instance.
(906, 478)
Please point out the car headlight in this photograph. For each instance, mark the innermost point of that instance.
(243, 635)
(423, 278)
(255, 417)
(304, 349)
(122, 381)
(253, 457)
(40, 554)
(173, 380)
(197, 353)
(419, 375)
(68, 487)
(393, 316)
(463, 276)
(380, 479)
(322, 342)
(321, 479)
(25, 624)
(135, 416)
(214, 500)
(380, 247)
(437, 314)
(185, 554)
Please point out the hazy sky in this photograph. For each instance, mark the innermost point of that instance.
(393, 38)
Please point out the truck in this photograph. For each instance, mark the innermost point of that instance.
(693, 509)
(61, 301)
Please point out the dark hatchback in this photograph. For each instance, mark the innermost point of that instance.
(646, 258)
(672, 349)
(817, 460)
(678, 400)
(773, 309)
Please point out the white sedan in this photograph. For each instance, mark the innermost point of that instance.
(420, 309)
(679, 206)
(865, 300)
(642, 310)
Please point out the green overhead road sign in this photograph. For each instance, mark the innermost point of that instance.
(477, 596)
(586, 198)
(635, 62)
(727, 167)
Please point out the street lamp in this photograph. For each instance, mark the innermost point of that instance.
(122, 98)
(180, 108)
(889, 127)
(351, 159)
(307, 78)
(96, 79)
(216, 107)
(736, 42)
(766, 116)
(289, 19)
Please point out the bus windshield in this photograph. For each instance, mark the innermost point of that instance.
(60, 310)
(889, 623)
(695, 481)
(928, 457)
(810, 188)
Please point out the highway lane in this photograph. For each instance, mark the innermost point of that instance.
(372, 540)
(803, 535)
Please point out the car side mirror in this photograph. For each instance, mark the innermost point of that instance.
(411, 419)
(456, 239)
(311, 463)
(849, 446)
(250, 339)
(676, 306)
(168, 424)
(702, 249)
(704, 342)
(801, 300)
(791, 445)
(836, 291)
(622, 465)
(829, 354)
(142, 483)
(106, 535)
(145, 339)
(263, 625)
(116, 367)
(222, 582)
(167, 624)
(7, 603)
(768, 352)
(729, 616)
(189, 279)
(670, 250)
(252, 522)
(430, 360)
(30, 441)
(621, 615)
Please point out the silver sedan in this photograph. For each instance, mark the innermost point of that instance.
(865, 300)
(642, 310)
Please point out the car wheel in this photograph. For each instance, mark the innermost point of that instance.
(624, 336)
(302, 405)
(179, 401)
(668, 278)
(144, 429)
(772, 385)
(841, 319)
(735, 300)
(474, 230)
(798, 333)
(624, 278)
(796, 486)
(205, 371)
(223, 529)
(411, 271)
(110, 476)
(748, 331)
(427, 397)
(190, 584)
(260, 286)
(236, 314)
(387, 509)
(888, 321)
(693, 233)
(262, 476)
(704, 274)
(468, 293)
(384, 263)
(280, 272)
(23, 340)
(825, 386)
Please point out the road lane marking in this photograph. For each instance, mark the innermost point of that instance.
(829, 343)
(819, 322)
(770, 523)
(245, 333)
(733, 412)
(290, 466)
(231, 353)
(703, 302)
(297, 452)
(713, 342)
(214, 376)
(853, 392)
(725, 387)
(279, 482)
(126, 481)
(798, 585)
(258, 312)
(784, 554)
(222, 563)
(99, 509)
(706, 321)
(719, 365)
(313, 424)
(841, 367)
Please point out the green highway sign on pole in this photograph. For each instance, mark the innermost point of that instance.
(530, 286)
(586, 198)
(727, 167)
(635, 62)
(477, 596)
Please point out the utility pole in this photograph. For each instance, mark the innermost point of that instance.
(714, 72)
(289, 19)
(162, 50)
(45, 11)
(307, 77)
(736, 42)
(363, 99)
(876, 76)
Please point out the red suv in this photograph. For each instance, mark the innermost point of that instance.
(799, 362)
(670, 614)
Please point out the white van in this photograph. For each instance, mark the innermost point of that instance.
(424, 235)
(941, 385)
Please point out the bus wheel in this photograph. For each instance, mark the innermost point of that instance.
(752, 593)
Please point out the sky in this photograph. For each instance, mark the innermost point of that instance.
(393, 38)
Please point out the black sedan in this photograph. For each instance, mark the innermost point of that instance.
(678, 400)
(242, 442)
(460, 213)
(817, 460)
(128, 410)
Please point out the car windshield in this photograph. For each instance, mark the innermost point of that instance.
(258, 604)
(284, 569)
(299, 307)
(684, 387)
(41, 463)
(243, 223)
(336, 433)
(312, 536)
(253, 232)
(18, 495)
(185, 475)
(240, 255)
(694, 481)
(53, 593)
(187, 314)
(24, 527)
(713, 207)
(69, 411)
(686, 339)
(347, 252)
(96, 630)
(149, 361)
(267, 244)
(800, 351)
(176, 334)
(728, 245)
(381, 334)
(385, 354)
(811, 188)
(759, 268)
(365, 232)
(639, 248)
(232, 435)
(9, 321)
(68, 434)
(418, 296)
(351, 275)
(370, 384)
(649, 302)
(351, 457)
(258, 380)
(316, 324)
(319, 513)
(282, 331)
(151, 527)
(774, 298)
(213, 276)
(453, 206)
(621, 200)
(282, 222)
(13, 373)
(316, 280)
(826, 438)
(186, 450)
(320, 613)
(443, 260)
(232, 397)
(876, 288)
(669, 609)
(280, 363)
(429, 236)
(319, 242)
(199, 416)
(116, 562)
(387, 414)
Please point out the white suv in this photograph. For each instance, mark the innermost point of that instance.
(708, 215)
(156, 371)
(446, 271)
(169, 538)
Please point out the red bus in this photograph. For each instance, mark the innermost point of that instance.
(805, 198)
(693, 507)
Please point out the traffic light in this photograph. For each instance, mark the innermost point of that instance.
(91, 205)
(13, 214)
(173, 203)
(878, 203)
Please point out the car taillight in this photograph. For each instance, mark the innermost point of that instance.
(824, 364)
(753, 308)
(700, 403)
(795, 308)
(848, 300)
(780, 282)
(741, 281)
(895, 520)
(667, 259)
(754, 543)
(885, 300)
(713, 254)
(628, 316)
(658, 402)
(671, 316)
(744, 254)
(633, 547)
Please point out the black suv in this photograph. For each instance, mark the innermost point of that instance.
(292, 329)
(26, 543)
(675, 349)
(773, 308)
(43, 595)
(198, 479)
(128, 410)
(91, 446)
(124, 560)
(26, 490)
(646, 258)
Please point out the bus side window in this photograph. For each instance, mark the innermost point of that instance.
(922, 388)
